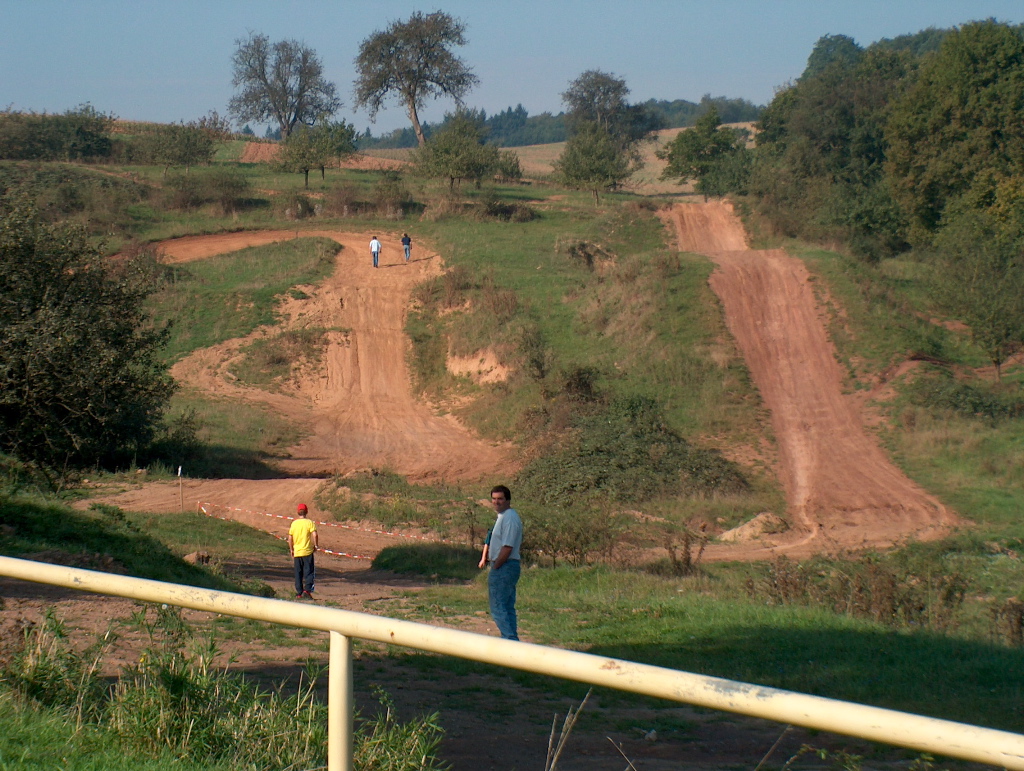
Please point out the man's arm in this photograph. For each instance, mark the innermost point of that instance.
(316, 540)
(291, 545)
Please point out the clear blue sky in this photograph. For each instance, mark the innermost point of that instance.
(170, 60)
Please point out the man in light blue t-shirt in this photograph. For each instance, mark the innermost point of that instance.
(503, 553)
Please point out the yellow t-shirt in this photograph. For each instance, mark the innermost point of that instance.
(301, 532)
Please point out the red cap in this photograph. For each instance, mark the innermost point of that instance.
(303, 507)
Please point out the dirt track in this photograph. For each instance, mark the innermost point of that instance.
(359, 406)
(843, 491)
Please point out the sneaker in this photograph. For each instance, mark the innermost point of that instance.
(300, 595)
(308, 595)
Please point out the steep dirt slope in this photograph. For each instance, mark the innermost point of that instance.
(842, 489)
(358, 406)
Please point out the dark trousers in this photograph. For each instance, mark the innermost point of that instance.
(305, 574)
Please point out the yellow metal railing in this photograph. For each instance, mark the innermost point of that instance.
(942, 737)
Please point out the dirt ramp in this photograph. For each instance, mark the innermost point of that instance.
(709, 227)
(843, 491)
(358, 407)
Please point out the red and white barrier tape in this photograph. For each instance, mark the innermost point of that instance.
(325, 524)
(202, 508)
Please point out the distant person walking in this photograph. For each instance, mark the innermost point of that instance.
(407, 245)
(375, 250)
(503, 555)
(303, 542)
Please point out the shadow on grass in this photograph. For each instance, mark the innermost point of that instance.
(53, 533)
(921, 673)
(216, 461)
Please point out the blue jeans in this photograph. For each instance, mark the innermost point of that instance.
(305, 574)
(375, 256)
(501, 586)
(408, 252)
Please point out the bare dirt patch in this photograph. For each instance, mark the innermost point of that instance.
(844, 493)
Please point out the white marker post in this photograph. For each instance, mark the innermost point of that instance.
(181, 493)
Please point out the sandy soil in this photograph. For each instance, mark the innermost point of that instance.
(843, 491)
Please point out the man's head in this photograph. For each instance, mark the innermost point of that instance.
(501, 498)
(303, 510)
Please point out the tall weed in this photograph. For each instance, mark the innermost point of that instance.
(174, 698)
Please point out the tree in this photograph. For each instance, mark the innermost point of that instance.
(956, 131)
(593, 160)
(831, 49)
(308, 148)
(705, 153)
(457, 151)
(600, 98)
(81, 382)
(979, 278)
(281, 82)
(412, 61)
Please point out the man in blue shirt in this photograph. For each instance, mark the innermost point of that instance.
(503, 551)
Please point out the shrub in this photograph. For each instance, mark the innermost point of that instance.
(941, 390)
(185, 191)
(226, 187)
(885, 590)
(297, 206)
(626, 452)
(574, 534)
(391, 196)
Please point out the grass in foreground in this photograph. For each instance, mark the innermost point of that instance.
(708, 624)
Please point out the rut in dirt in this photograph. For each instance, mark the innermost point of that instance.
(843, 492)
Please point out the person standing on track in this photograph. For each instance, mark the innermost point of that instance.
(303, 542)
(375, 250)
(407, 246)
(503, 554)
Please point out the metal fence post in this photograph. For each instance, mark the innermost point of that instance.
(340, 704)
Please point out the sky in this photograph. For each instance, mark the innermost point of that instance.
(170, 60)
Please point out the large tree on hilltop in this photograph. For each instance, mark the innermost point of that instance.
(600, 97)
(412, 61)
(81, 381)
(281, 82)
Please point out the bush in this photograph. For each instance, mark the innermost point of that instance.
(226, 187)
(942, 391)
(297, 206)
(626, 452)
(391, 197)
(572, 534)
(185, 191)
(494, 208)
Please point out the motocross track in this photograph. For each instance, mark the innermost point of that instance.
(843, 492)
(357, 407)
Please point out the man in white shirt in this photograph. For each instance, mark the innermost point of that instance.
(503, 551)
(375, 250)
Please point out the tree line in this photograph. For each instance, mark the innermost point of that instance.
(515, 127)
(909, 146)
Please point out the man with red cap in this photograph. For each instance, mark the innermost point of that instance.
(303, 542)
